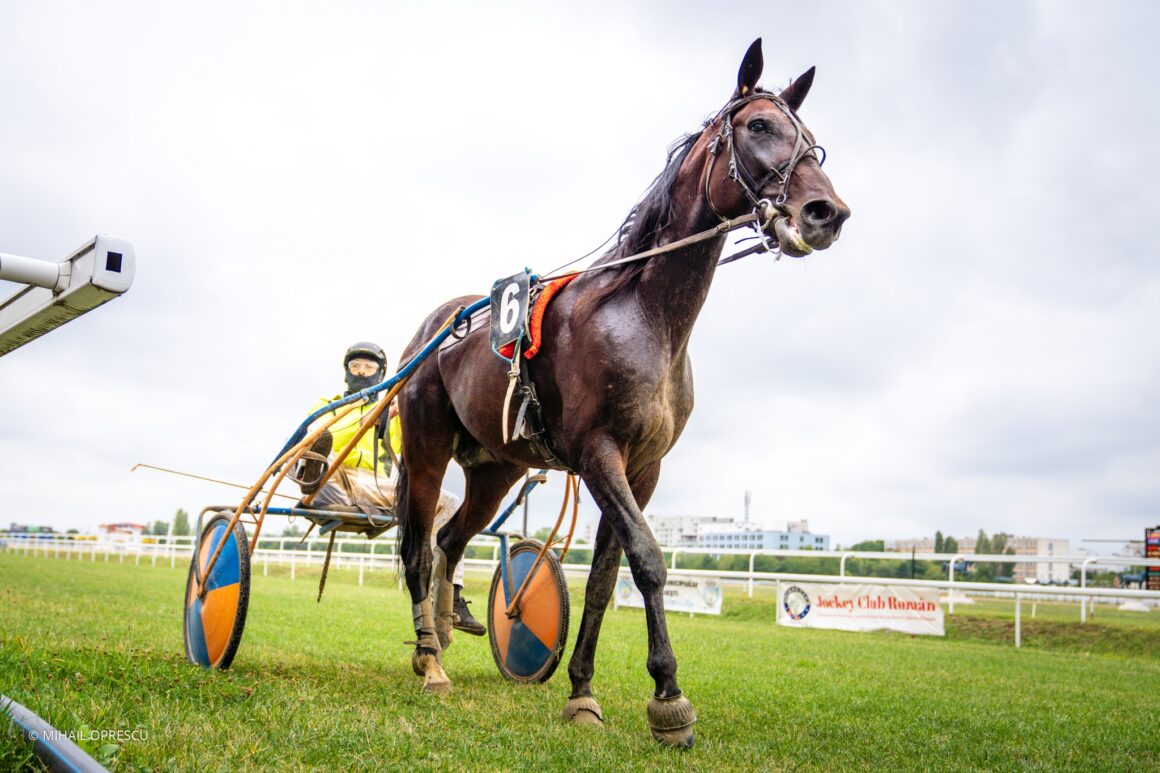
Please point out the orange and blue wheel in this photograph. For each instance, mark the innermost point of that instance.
(528, 646)
(214, 622)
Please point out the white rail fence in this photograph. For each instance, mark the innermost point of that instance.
(357, 553)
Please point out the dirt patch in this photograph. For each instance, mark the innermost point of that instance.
(1073, 637)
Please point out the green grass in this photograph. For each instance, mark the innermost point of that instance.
(98, 646)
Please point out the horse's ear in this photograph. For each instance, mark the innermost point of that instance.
(795, 93)
(750, 69)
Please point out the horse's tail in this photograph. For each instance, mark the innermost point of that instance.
(404, 529)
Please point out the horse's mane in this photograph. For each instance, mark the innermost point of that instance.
(644, 223)
(648, 217)
(654, 211)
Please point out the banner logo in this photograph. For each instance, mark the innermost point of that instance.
(796, 602)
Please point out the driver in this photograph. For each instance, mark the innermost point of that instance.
(367, 476)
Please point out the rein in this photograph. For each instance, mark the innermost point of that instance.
(762, 216)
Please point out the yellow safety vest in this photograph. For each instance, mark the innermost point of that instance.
(362, 455)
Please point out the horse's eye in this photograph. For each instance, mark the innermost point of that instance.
(758, 126)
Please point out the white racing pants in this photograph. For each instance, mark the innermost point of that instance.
(360, 486)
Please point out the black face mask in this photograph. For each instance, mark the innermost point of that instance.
(359, 383)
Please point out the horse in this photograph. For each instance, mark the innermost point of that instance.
(613, 378)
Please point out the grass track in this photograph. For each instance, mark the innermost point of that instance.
(96, 645)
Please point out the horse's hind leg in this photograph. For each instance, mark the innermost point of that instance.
(485, 486)
(484, 490)
(671, 717)
(425, 458)
(418, 507)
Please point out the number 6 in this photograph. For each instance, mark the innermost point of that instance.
(509, 308)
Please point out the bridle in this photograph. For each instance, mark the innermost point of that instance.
(765, 212)
(753, 189)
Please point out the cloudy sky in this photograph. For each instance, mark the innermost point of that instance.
(979, 350)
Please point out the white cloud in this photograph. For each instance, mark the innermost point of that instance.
(977, 350)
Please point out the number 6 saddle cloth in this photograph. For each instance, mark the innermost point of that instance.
(536, 321)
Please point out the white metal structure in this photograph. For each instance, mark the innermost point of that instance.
(382, 554)
(95, 273)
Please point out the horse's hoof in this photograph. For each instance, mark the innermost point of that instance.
(583, 711)
(428, 664)
(671, 721)
(437, 686)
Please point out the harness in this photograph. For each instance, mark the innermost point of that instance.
(529, 423)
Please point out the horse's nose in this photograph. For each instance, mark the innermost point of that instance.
(825, 213)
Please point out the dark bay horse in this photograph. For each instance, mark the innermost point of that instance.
(613, 377)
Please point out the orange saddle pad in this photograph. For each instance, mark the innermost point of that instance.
(536, 323)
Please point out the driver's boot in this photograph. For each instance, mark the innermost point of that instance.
(463, 619)
(313, 464)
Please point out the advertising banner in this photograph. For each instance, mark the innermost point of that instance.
(698, 595)
(861, 608)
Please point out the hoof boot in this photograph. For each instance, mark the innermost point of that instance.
(671, 721)
(583, 711)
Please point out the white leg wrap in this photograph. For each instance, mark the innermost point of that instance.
(422, 615)
(444, 602)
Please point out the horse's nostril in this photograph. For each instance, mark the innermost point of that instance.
(819, 212)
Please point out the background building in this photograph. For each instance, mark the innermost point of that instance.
(680, 530)
(915, 544)
(752, 536)
(122, 532)
(1058, 573)
(1046, 572)
(36, 532)
(696, 531)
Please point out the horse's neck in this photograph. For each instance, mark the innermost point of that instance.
(673, 287)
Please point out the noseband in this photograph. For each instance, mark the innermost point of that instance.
(754, 189)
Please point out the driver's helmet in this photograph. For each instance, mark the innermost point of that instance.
(360, 376)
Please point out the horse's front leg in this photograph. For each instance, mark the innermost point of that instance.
(670, 714)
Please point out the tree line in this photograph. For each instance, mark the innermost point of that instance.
(181, 527)
(984, 545)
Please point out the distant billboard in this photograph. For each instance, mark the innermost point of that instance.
(1152, 550)
(861, 607)
(695, 595)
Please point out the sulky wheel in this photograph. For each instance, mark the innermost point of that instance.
(214, 623)
(528, 646)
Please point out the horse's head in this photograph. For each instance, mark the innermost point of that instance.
(757, 149)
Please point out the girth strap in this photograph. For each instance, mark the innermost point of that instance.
(530, 421)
